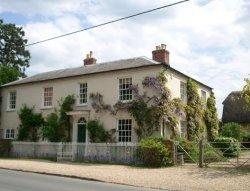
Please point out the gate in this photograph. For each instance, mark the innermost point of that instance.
(215, 154)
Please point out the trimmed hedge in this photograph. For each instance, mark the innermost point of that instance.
(154, 153)
(228, 146)
(5, 147)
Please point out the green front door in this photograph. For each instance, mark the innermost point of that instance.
(81, 133)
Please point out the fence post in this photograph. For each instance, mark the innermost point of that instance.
(174, 150)
(201, 153)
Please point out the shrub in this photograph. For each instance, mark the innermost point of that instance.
(97, 133)
(5, 147)
(233, 130)
(153, 153)
(30, 124)
(51, 130)
(228, 146)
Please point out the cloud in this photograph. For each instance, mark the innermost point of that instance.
(207, 39)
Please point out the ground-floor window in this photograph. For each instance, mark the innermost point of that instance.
(9, 133)
(124, 130)
(183, 129)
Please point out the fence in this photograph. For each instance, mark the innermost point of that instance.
(105, 152)
(216, 154)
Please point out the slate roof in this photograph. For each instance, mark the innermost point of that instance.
(235, 109)
(96, 68)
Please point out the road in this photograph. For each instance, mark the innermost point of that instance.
(25, 181)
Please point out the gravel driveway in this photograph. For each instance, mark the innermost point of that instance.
(187, 177)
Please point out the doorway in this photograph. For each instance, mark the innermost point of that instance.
(81, 125)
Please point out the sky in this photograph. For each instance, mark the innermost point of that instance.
(208, 40)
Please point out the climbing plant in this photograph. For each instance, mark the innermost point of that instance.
(211, 118)
(57, 125)
(194, 112)
(30, 124)
(147, 111)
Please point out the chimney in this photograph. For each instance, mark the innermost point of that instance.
(160, 54)
(89, 60)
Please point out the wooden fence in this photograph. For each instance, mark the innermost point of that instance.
(105, 152)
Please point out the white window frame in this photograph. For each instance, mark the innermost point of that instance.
(43, 104)
(127, 132)
(9, 108)
(9, 133)
(183, 91)
(120, 95)
(79, 94)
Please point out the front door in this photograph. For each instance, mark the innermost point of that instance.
(81, 137)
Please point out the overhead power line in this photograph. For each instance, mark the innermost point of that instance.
(106, 23)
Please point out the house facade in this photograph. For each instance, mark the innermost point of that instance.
(110, 79)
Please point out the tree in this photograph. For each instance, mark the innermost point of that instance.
(194, 112)
(14, 57)
(246, 92)
(51, 130)
(211, 118)
(233, 130)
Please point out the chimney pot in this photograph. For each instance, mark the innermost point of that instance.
(160, 54)
(89, 60)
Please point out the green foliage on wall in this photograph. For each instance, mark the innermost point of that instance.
(66, 105)
(51, 130)
(57, 126)
(211, 118)
(97, 133)
(194, 112)
(30, 124)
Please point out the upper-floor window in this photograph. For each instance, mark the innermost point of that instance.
(125, 93)
(48, 96)
(183, 91)
(12, 100)
(203, 96)
(9, 133)
(124, 130)
(83, 96)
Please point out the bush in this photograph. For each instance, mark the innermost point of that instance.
(233, 130)
(228, 146)
(51, 129)
(153, 153)
(97, 133)
(5, 147)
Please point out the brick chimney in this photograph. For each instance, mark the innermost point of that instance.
(89, 60)
(160, 54)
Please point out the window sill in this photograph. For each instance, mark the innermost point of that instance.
(11, 110)
(82, 105)
(125, 101)
(44, 108)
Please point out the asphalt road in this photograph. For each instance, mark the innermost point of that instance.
(25, 181)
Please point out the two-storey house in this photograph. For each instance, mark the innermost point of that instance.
(111, 79)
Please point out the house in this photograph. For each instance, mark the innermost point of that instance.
(110, 79)
(235, 110)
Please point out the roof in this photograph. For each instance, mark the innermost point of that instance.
(93, 69)
(235, 109)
